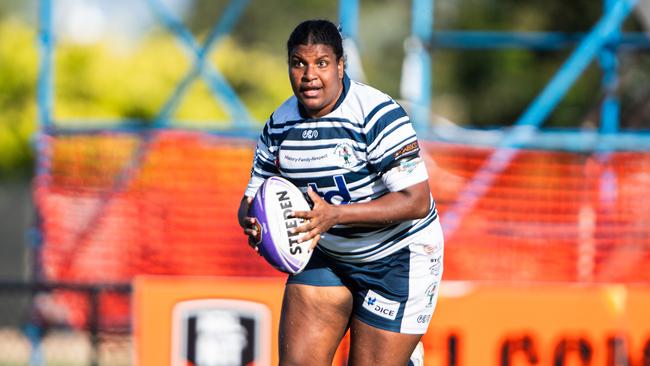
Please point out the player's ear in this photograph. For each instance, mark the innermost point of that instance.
(341, 67)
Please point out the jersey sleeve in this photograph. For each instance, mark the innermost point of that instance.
(393, 148)
(264, 161)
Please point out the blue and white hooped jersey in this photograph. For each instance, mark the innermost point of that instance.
(365, 148)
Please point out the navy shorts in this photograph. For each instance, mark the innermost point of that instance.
(396, 293)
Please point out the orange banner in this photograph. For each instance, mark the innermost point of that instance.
(554, 325)
(203, 320)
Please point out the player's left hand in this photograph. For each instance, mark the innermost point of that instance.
(320, 219)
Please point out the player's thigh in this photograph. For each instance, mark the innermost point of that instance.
(374, 346)
(314, 319)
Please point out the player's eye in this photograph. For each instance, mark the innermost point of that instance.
(323, 63)
(297, 63)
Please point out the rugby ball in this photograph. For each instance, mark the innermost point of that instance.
(273, 202)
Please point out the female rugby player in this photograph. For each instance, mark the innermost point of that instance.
(378, 262)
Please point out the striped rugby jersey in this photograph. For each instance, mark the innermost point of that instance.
(363, 149)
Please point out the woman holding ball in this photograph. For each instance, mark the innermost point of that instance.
(377, 264)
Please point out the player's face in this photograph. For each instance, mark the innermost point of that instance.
(316, 77)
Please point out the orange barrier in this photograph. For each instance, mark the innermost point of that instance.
(167, 204)
(554, 325)
(116, 205)
(474, 324)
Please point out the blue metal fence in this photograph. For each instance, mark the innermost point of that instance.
(602, 43)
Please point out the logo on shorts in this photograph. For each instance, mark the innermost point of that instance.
(431, 293)
(380, 305)
(436, 265)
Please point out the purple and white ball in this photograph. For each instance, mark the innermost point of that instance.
(273, 202)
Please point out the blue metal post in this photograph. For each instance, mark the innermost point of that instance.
(422, 28)
(422, 25)
(416, 72)
(45, 101)
(610, 109)
(45, 73)
(349, 21)
(349, 18)
(34, 335)
(543, 41)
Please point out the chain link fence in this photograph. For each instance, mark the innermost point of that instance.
(35, 332)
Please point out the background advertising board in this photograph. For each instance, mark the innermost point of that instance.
(234, 321)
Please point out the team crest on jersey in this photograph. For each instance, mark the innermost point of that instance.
(344, 155)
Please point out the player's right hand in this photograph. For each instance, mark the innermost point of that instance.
(252, 229)
(249, 224)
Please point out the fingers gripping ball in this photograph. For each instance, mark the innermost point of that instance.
(271, 207)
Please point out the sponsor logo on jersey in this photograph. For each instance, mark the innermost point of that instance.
(310, 134)
(339, 196)
(380, 305)
(304, 159)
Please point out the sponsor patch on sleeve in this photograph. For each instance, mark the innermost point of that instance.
(409, 149)
(408, 165)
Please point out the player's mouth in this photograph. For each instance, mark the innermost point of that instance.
(310, 92)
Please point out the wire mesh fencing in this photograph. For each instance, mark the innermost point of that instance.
(36, 330)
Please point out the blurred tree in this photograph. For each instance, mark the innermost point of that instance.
(17, 99)
(478, 88)
(492, 88)
(264, 24)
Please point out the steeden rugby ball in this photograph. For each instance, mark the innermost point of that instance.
(273, 202)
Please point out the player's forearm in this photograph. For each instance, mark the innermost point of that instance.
(409, 204)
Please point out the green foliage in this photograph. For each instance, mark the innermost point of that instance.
(114, 81)
(17, 98)
(264, 24)
(97, 80)
(105, 81)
